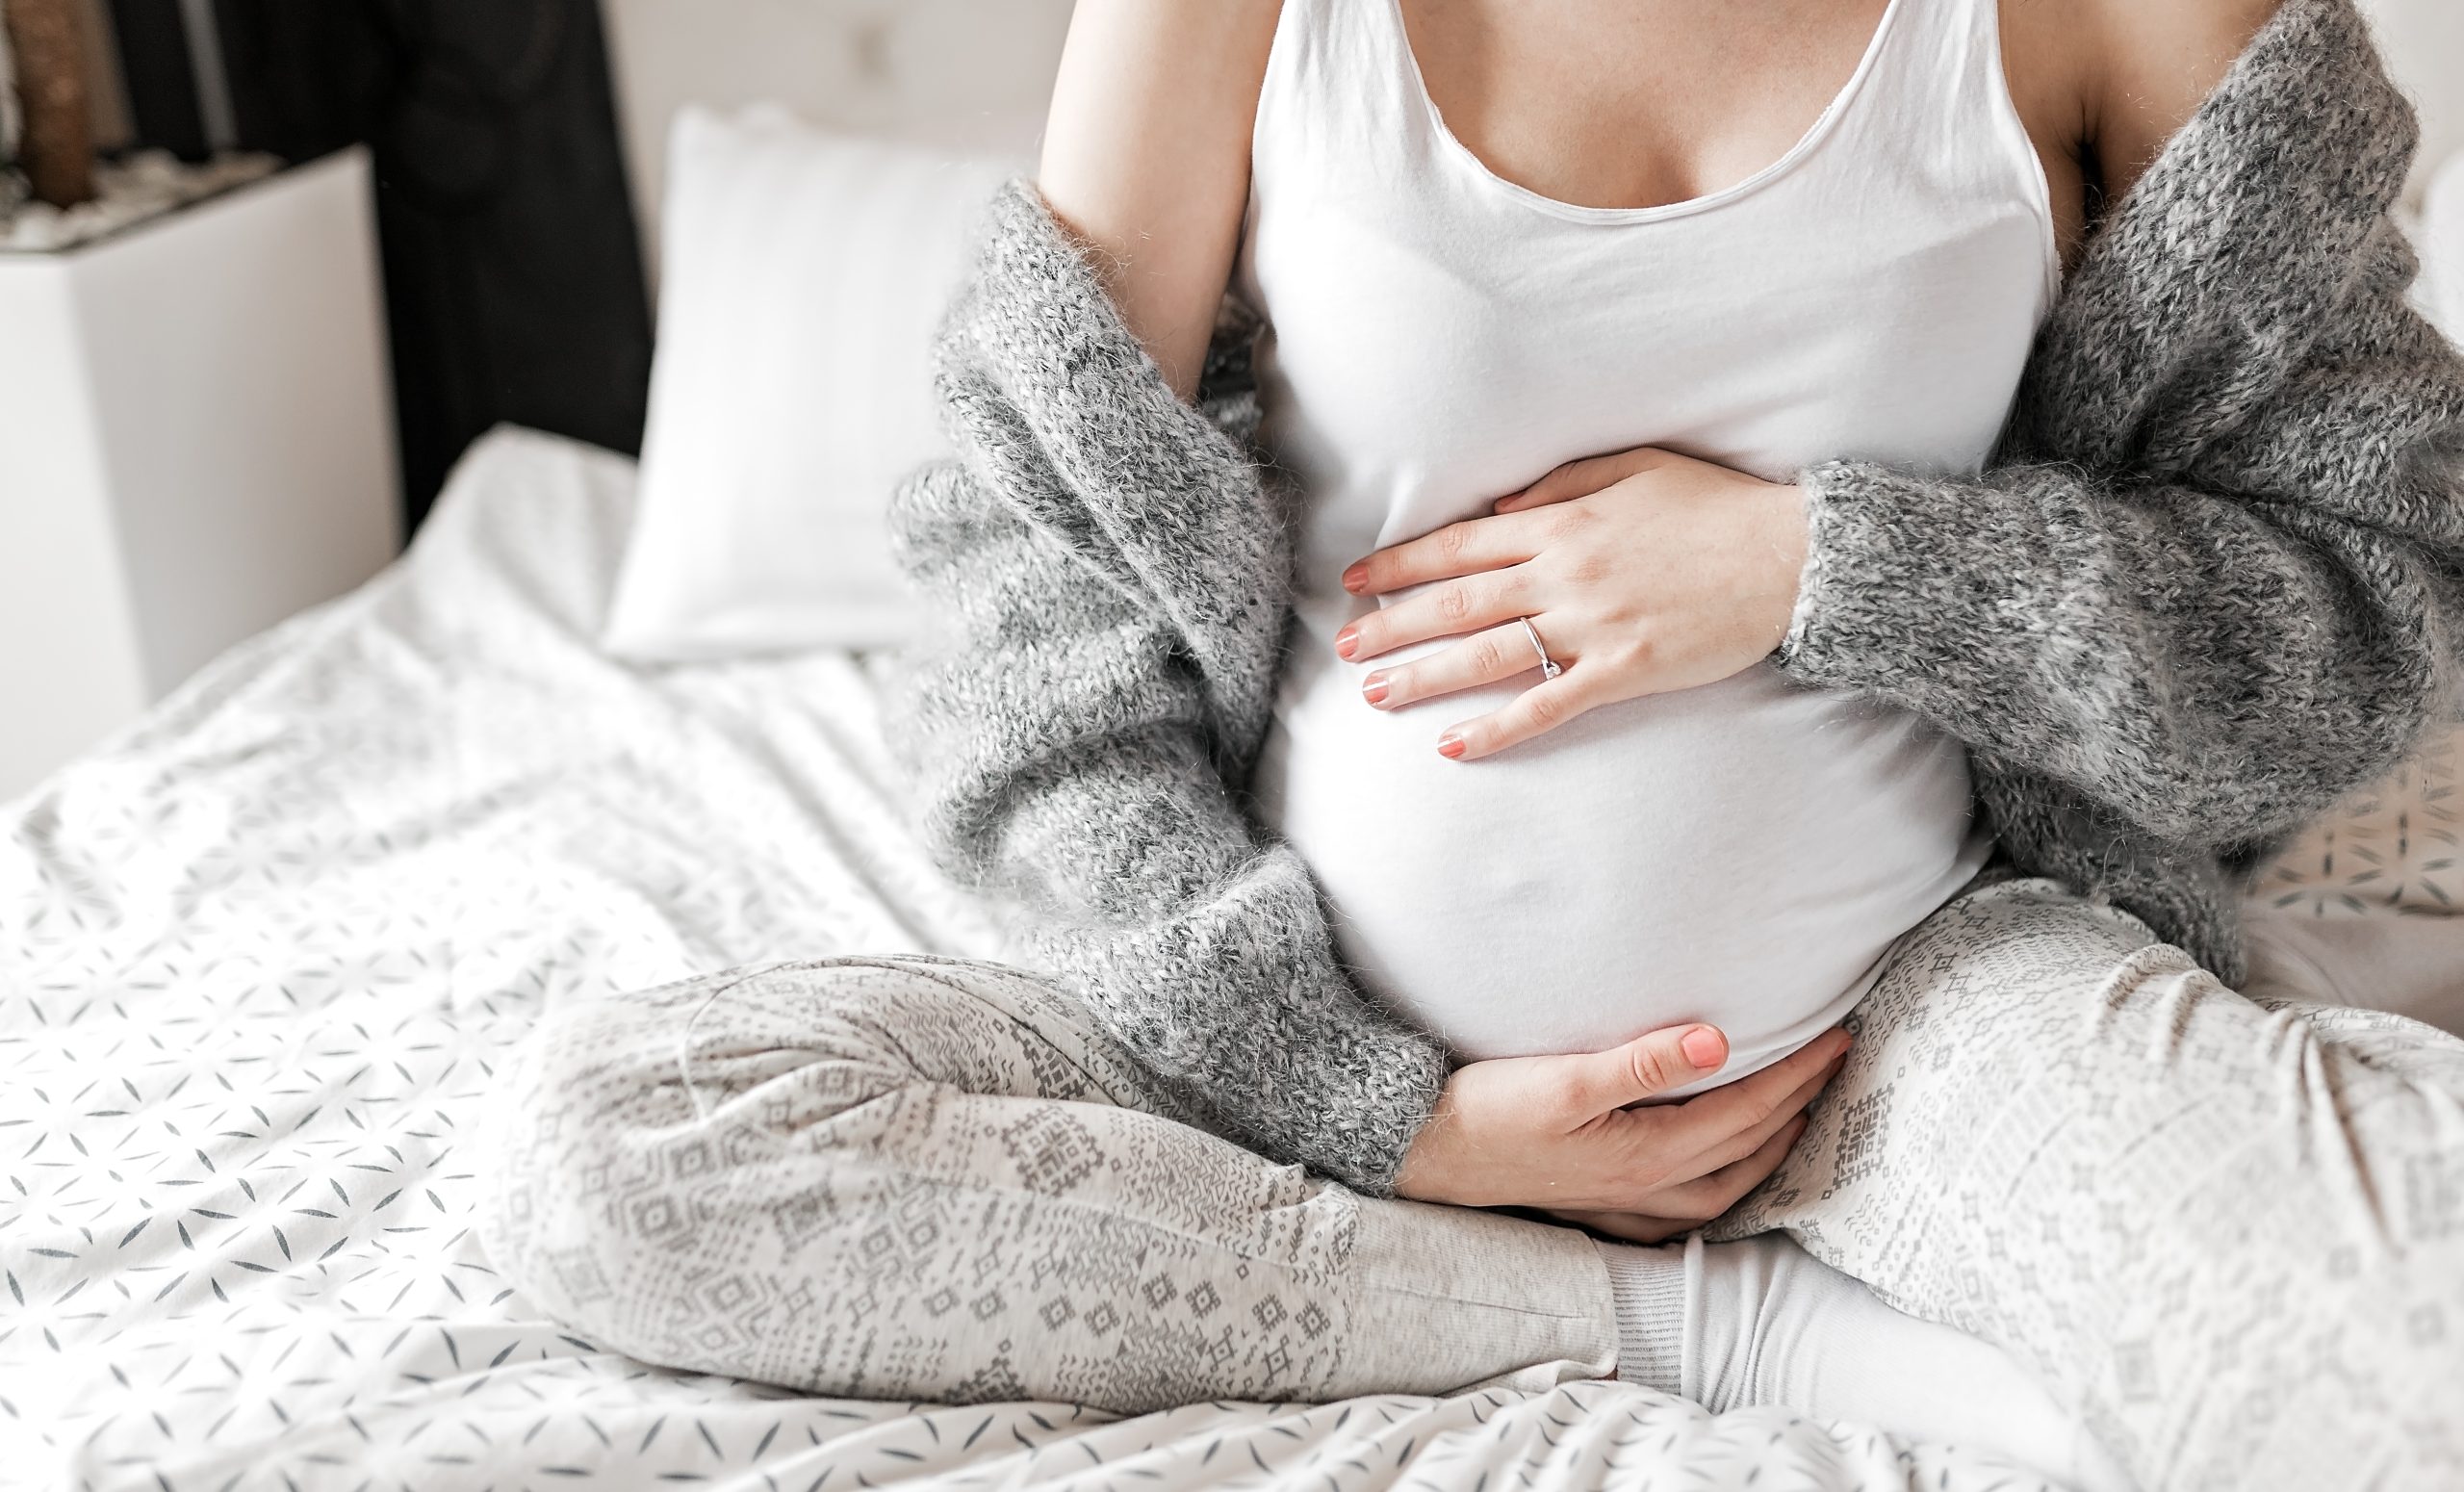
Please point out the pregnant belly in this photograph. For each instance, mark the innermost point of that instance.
(1741, 854)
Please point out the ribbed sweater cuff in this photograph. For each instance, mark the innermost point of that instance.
(1360, 1135)
(1871, 558)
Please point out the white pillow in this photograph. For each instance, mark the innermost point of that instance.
(804, 274)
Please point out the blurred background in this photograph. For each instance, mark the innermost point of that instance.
(516, 146)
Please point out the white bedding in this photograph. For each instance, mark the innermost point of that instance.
(260, 958)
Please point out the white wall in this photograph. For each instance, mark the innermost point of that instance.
(953, 72)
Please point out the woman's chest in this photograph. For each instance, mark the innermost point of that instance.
(1416, 371)
(1634, 103)
(1625, 103)
(1442, 335)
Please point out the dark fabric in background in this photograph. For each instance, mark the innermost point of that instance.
(513, 272)
(162, 83)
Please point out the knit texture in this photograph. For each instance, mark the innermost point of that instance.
(1112, 573)
(2211, 581)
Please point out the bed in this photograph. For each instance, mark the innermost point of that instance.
(261, 956)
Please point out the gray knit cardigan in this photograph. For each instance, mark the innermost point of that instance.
(2212, 581)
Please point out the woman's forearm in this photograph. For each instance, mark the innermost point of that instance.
(2216, 659)
(2215, 578)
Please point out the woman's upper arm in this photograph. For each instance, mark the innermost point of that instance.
(2157, 62)
(1146, 158)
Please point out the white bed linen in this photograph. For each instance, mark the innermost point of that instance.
(262, 956)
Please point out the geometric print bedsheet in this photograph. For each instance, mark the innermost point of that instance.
(263, 956)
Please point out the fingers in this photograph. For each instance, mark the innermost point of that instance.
(1706, 1198)
(1534, 712)
(1600, 1083)
(1489, 657)
(1704, 1122)
(1467, 548)
(1664, 1211)
(1581, 479)
(1446, 610)
(1746, 1141)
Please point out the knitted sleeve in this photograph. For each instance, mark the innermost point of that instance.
(2214, 650)
(1111, 581)
(2214, 578)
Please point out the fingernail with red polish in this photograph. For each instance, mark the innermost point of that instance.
(1357, 577)
(1345, 641)
(1373, 688)
(1449, 746)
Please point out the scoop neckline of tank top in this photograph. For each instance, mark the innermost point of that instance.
(1807, 144)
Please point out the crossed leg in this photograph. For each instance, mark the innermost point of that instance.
(2233, 1232)
(922, 1177)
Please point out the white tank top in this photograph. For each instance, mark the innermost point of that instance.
(1741, 853)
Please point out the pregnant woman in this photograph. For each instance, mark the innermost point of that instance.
(1796, 513)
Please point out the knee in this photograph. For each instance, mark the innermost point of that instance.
(631, 1126)
(640, 1136)
(2028, 967)
(571, 1136)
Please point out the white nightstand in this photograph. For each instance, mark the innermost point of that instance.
(195, 440)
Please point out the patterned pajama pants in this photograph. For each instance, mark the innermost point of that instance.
(2231, 1229)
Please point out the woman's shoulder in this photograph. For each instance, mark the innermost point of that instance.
(2102, 85)
(2255, 235)
(2152, 64)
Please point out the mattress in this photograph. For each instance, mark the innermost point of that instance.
(263, 956)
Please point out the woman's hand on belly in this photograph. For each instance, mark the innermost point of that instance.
(1642, 573)
(1555, 1133)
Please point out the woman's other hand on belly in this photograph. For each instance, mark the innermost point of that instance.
(1556, 1133)
(1642, 573)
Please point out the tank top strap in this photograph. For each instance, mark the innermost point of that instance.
(1341, 75)
(1935, 86)
(1927, 93)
